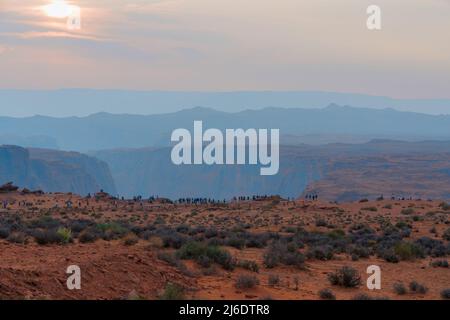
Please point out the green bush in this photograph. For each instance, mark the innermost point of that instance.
(408, 251)
(65, 234)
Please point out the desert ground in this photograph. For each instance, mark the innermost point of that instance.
(251, 248)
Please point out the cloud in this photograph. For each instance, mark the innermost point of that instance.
(52, 34)
(4, 49)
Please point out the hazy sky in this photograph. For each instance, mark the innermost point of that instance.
(229, 45)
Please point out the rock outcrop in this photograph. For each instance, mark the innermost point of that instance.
(54, 171)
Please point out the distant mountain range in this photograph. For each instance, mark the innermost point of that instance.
(324, 151)
(110, 131)
(82, 102)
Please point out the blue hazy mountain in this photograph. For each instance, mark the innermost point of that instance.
(82, 102)
(110, 131)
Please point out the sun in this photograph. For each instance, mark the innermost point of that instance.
(58, 9)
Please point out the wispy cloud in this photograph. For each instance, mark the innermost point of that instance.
(52, 34)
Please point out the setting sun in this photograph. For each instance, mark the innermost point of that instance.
(58, 9)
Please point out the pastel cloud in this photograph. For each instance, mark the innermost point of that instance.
(234, 45)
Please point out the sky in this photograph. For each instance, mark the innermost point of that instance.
(226, 45)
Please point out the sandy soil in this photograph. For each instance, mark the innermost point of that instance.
(113, 270)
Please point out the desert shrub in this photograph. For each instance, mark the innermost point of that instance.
(65, 234)
(345, 277)
(364, 200)
(173, 240)
(183, 229)
(130, 239)
(249, 265)
(45, 222)
(416, 287)
(246, 281)
(402, 225)
(400, 288)
(172, 260)
(358, 251)
(389, 255)
(321, 223)
(408, 251)
(373, 209)
(191, 250)
(112, 230)
(4, 233)
(172, 292)
(257, 240)
(289, 229)
(88, 236)
(44, 237)
(440, 264)
(271, 261)
(197, 250)
(446, 235)
(407, 211)
(204, 261)
(445, 206)
(361, 229)
(327, 294)
(280, 252)
(336, 234)
(445, 294)
(211, 233)
(323, 253)
(235, 242)
(17, 237)
(79, 225)
(432, 247)
(273, 280)
(293, 259)
(388, 206)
